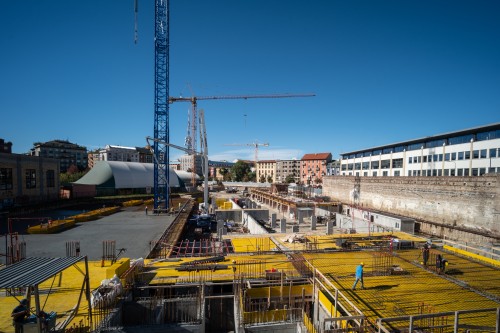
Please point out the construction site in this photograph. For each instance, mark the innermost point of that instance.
(248, 270)
(250, 261)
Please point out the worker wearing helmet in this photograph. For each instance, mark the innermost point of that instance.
(19, 314)
(359, 276)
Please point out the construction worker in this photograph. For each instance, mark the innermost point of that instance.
(439, 260)
(359, 276)
(19, 314)
(425, 253)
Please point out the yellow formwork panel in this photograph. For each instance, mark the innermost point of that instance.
(59, 294)
(473, 255)
(394, 295)
(165, 272)
(253, 244)
(328, 242)
(257, 317)
(275, 291)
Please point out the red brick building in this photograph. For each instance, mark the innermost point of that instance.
(313, 168)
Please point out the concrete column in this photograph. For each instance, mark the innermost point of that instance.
(329, 227)
(313, 222)
(300, 216)
(273, 220)
(283, 226)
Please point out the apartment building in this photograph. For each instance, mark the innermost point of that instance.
(5, 147)
(266, 170)
(313, 167)
(286, 168)
(120, 153)
(66, 152)
(217, 169)
(468, 152)
(191, 163)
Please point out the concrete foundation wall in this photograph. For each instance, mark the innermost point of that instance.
(445, 206)
(259, 214)
(228, 215)
(251, 223)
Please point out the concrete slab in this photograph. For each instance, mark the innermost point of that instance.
(130, 228)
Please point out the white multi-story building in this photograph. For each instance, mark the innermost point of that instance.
(116, 153)
(469, 152)
(191, 163)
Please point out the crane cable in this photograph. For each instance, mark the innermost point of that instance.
(136, 9)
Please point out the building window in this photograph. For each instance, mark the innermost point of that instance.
(482, 171)
(5, 179)
(30, 178)
(447, 156)
(474, 172)
(385, 164)
(467, 155)
(410, 160)
(397, 163)
(385, 173)
(475, 154)
(374, 173)
(453, 156)
(484, 153)
(51, 179)
(375, 165)
(425, 159)
(493, 152)
(397, 173)
(460, 155)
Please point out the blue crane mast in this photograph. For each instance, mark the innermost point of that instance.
(161, 106)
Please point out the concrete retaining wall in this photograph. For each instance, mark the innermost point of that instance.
(251, 223)
(455, 207)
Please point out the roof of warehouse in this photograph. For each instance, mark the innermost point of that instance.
(33, 271)
(119, 174)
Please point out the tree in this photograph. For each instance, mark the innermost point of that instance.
(262, 179)
(224, 173)
(67, 178)
(269, 179)
(290, 179)
(240, 171)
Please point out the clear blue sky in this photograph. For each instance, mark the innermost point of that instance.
(383, 72)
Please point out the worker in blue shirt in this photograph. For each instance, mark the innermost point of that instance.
(359, 276)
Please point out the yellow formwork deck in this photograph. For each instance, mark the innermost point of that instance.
(252, 244)
(61, 292)
(329, 242)
(415, 288)
(165, 272)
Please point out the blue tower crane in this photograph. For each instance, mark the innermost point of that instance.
(161, 106)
